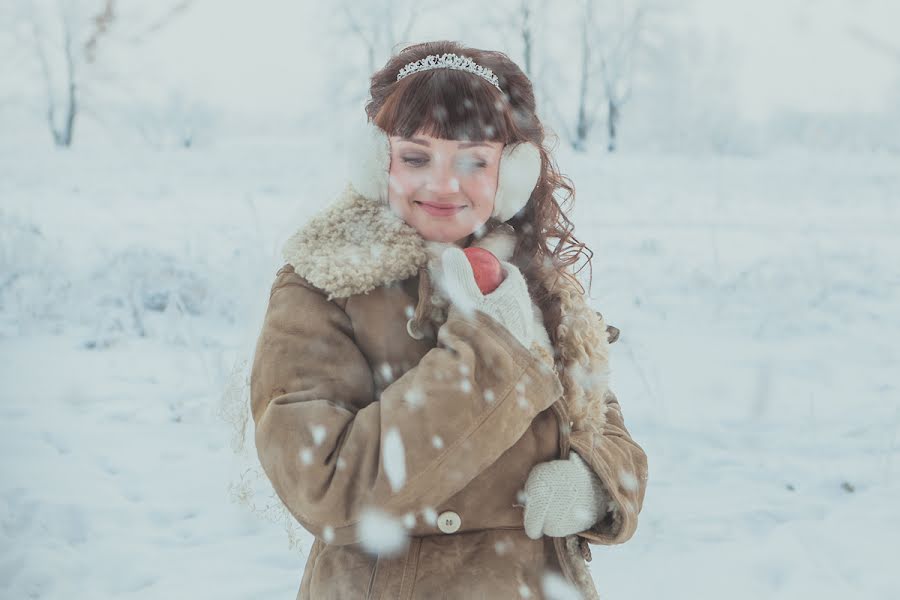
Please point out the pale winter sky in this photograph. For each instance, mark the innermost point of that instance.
(805, 55)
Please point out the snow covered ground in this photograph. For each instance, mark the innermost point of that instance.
(757, 365)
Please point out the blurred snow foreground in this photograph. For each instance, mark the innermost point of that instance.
(756, 298)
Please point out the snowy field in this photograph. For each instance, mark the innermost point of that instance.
(757, 365)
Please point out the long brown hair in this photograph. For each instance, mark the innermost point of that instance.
(456, 105)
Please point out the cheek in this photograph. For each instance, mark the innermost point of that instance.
(404, 182)
(483, 188)
(400, 189)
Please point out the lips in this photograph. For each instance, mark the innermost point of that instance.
(440, 210)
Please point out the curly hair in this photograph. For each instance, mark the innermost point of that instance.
(456, 105)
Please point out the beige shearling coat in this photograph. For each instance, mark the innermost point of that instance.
(359, 355)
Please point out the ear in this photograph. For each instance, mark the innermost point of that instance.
(520, 169)
(369, 162)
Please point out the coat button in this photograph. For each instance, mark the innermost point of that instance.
(413, 331)
(448, 521)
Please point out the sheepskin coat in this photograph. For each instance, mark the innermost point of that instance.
(378, 409)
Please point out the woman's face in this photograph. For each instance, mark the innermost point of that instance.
(444, 189)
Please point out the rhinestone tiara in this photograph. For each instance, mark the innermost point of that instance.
(449, 61)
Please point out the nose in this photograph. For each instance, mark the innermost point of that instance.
(443, 180)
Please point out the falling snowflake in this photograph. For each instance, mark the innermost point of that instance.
(396, 184)
(628, 480)
(456, 292)
(589, 379)
(306, 456)
(555, 587)
(394, 459)
(414, 397)
(318, 433)
(409, 520)
(380, 533)
(387, 373)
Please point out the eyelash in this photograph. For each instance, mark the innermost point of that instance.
(418, 162)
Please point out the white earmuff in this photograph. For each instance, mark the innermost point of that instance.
(369, 162)
(520, 169)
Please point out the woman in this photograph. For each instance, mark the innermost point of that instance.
(386, 383)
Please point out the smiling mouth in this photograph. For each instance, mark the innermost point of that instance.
(440, 210)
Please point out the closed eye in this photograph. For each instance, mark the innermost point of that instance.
(477, 164)
(418, 162)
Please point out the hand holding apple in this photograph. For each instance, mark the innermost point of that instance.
(474, 280)
(486, 268)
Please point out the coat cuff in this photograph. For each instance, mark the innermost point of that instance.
(623, 490)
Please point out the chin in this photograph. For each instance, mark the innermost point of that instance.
(441, 236)
(440, 233)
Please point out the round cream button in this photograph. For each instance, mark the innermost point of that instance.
(413, 331)
(448, 521)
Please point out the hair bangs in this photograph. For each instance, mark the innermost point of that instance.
(446, 104)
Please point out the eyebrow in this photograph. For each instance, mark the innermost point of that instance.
(422, 142)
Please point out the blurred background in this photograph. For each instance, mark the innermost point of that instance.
(737, 175)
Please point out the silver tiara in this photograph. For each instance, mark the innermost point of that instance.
(449, 61)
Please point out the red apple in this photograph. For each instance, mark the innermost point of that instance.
(488, 272)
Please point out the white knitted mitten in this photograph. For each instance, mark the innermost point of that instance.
(562, 497)
(510, 304)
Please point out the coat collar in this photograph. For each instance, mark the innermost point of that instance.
(356, 245)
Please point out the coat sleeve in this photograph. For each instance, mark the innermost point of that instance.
(621, 465)
(331, 450)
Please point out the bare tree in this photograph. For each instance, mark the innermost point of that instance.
(382, 24)
(379, 28)
(102, 23)
(529, 28)
(617, 65)
(518, 25)
(875, 42)
(526, 20)
(609, 38)
(67, 36)
(585, 118)
(61, 112)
